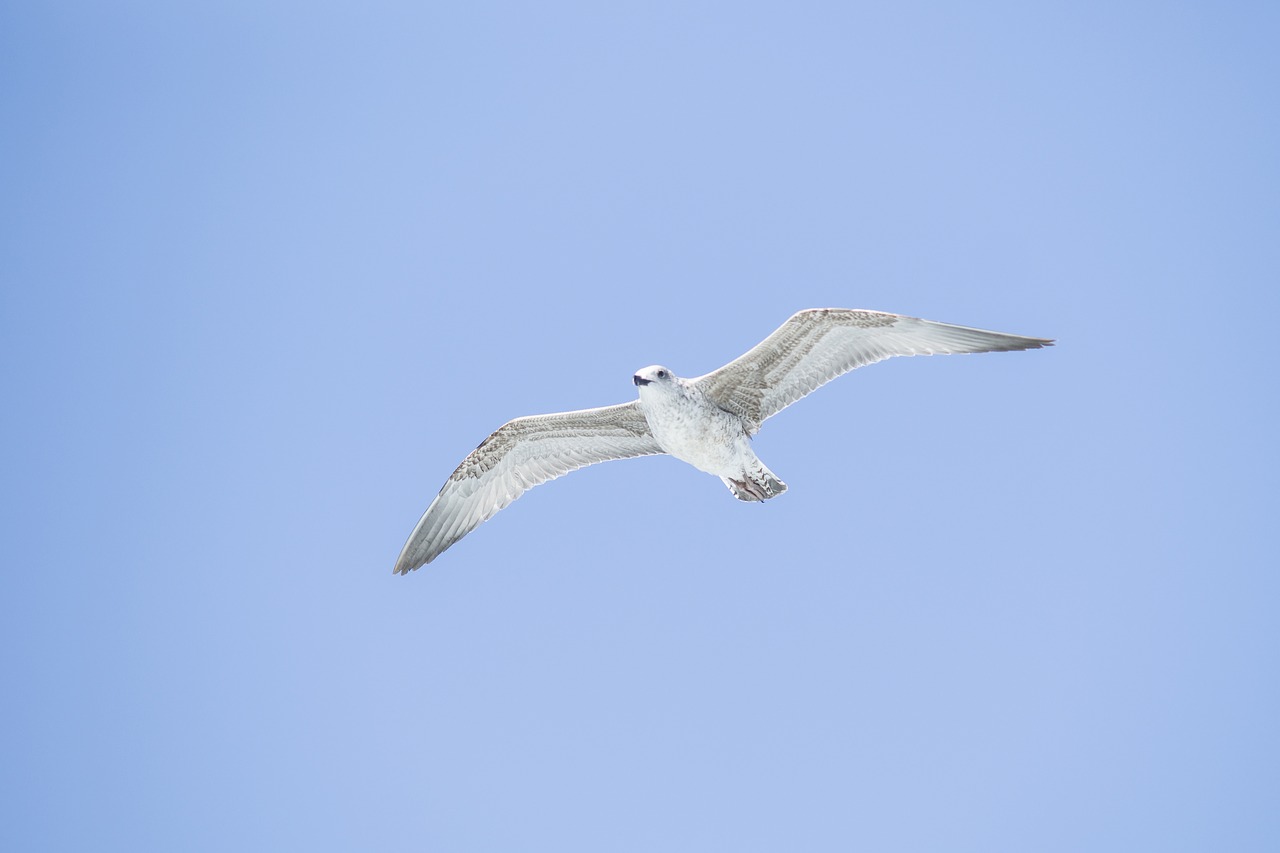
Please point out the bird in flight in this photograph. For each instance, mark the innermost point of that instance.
(707, 421)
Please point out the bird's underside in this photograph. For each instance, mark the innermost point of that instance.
(706, 421)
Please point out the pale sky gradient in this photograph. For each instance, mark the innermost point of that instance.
(268, 271)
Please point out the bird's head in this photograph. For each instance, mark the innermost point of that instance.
(654, 375)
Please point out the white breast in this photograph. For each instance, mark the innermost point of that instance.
(696, 431)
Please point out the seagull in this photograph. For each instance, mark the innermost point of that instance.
(707, 421)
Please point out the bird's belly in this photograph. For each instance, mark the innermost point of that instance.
(709, 442)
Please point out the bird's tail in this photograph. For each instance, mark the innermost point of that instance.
(758, 484)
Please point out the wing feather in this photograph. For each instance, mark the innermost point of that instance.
(519, 455)
(815, 346)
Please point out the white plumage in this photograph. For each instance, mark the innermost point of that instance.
(706, 421)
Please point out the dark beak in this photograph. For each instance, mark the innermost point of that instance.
(639, 381)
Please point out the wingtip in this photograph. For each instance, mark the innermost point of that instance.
(404, 565)
(412, 557)
(1032, 343)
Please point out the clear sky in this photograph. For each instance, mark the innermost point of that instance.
(268, 271)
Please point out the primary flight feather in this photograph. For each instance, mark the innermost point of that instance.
(706, 421)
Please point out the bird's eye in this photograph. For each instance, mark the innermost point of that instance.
(662, 374)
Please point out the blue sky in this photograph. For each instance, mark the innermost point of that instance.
(270, 270)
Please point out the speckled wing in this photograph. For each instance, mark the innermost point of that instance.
(816, 346)
(521, 454)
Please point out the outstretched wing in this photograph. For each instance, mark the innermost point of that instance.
(816, 346)
(521, 454)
